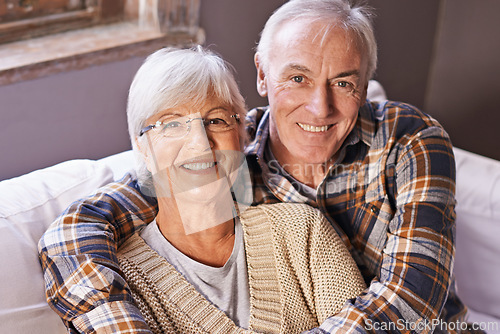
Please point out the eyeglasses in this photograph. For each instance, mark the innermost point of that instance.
(180, 126)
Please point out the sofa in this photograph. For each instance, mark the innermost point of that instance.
(29, 203)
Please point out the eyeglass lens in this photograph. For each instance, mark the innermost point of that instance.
(215, 122)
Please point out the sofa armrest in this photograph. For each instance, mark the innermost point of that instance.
(477, 262)
(28, 205)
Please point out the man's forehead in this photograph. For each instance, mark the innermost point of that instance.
(300, 47)
(310, 34)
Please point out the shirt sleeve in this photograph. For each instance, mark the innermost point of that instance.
(83, 281)
(411, 287)
(110, 318)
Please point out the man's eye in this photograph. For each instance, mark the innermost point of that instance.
(298, 78)
(343, 84)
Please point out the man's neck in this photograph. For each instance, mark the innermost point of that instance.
(310, 174)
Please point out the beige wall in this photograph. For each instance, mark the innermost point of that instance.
(444, 57)
(441, 56)
(405, 33)
(77, 114)
(463, 92)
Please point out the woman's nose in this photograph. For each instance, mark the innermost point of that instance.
(197, 137)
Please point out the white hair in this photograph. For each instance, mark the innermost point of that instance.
(173, 77)
(352, 18)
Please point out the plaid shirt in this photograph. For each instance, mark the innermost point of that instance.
(390, 195)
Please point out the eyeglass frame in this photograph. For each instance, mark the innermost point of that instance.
(159, 123)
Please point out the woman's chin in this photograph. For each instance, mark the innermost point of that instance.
(202, 192)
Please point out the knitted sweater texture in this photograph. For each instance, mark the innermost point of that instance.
(300, 273)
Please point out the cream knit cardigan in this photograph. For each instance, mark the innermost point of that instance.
(300, 273)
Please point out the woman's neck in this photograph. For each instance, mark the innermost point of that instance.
(204, 232)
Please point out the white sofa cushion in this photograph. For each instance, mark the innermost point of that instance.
(477, 262)
(120, 163)
(28, 205)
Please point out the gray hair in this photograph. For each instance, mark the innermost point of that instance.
(338, 13)
(171, 78)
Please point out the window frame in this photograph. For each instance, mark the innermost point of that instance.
(138, 34)
(20, 24)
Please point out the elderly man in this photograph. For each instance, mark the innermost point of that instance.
(382, 173)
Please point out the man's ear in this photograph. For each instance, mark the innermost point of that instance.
(365, 92)
(261, 76)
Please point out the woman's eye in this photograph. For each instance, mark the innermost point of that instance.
(217, 121)
(298, 78)
(173, 124)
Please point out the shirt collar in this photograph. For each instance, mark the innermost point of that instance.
(369, 114)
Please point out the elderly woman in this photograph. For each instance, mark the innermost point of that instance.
(209, 262)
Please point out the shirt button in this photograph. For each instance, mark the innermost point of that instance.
(374, 209)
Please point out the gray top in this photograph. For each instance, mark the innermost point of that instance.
(225, 287)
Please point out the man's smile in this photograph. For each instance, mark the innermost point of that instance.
(313, 128)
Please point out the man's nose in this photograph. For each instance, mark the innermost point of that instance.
(320, 101)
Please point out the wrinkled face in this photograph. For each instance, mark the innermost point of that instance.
(315, 83)
(188, 156)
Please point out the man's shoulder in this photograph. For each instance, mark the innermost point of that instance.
(397, 119)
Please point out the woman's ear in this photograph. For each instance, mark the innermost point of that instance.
(261, 76)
